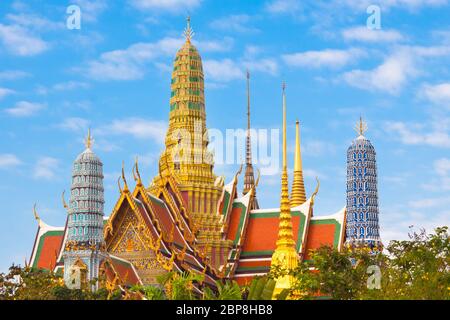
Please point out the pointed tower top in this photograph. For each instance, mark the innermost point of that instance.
(298, 157)
(298, 195)
(361, 127)
(188, 32)
(249, 178)
(285, 255)
(284, 126)
(88, 141)
(248, 103)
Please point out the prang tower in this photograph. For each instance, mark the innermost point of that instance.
(85, 250)
(362, 195)
(186, 163)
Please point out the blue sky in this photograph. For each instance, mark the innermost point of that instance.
(113, 75)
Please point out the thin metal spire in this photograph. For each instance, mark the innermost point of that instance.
(249, 178)
(249, 149)
(361, 127)
(188, 32)
(88, 141)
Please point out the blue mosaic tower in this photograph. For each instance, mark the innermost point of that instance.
(362, 195)
(85, 250)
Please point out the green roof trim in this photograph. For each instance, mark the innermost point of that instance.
(226, 202)
(257, 253)
(254, 269)
(241, 221)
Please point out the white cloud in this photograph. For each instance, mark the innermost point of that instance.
(62, 86)
(265, 65)
(332, 58)
(442, 167)
(46, 168)
(234, 23)
(387, 4)
(389, 77)
(214, 46)
(136, 127)
(396, 223)
(121, 64)
(127, 64)
(283, 6)
(35, 22)
(429, 203)
(166, 5)
(416, 134)
(74, 124)
(441, 181)
(8, 160)
(368, 35)
(223, 70)
(396, 70)
(438, 94)
(13, 75)
(24, 109)
(70, 85)
(311, 173)
(316, 148)
(5, 92)
(19, 41)
(91, 9)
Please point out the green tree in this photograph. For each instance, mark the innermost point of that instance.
(416, 269)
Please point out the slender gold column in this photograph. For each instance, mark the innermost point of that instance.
(285, 256)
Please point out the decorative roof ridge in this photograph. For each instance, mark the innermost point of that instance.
(44, 227)
(305, 204)
(245, 198)
(337, 215)
(63, 243)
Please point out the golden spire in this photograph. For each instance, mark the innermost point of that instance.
(88, 141)
(249, 178)
(284, 127)
(298, 195)
(361, 127)
(285, 255)
(188, 32)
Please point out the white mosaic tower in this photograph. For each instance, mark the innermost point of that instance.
(84, 250)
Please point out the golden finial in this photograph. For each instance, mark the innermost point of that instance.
(125, 186)
(136, 174)
(88, 141)
(258, 177)
(63, 200)
(361, 127)
(36, 215)
(188, 33)
(118, 183)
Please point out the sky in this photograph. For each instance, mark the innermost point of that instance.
(113, 75)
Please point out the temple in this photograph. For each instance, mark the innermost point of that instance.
(187, 219)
